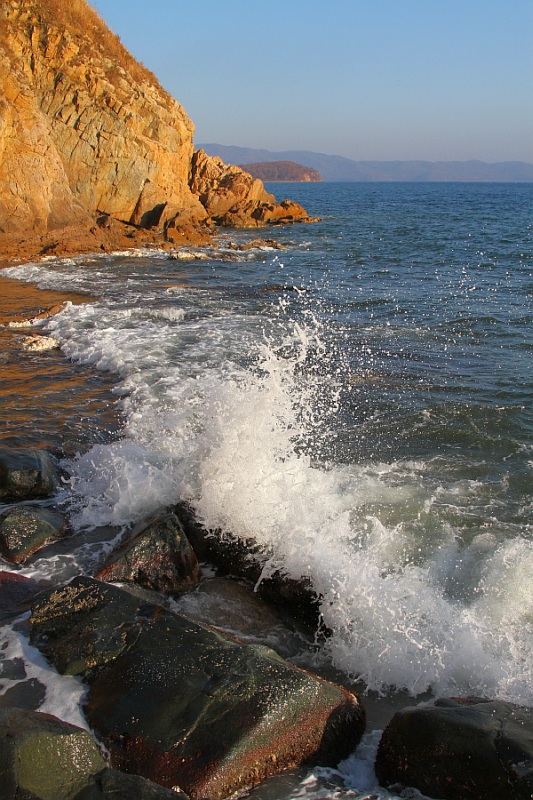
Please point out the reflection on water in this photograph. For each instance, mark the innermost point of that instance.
(45, 401)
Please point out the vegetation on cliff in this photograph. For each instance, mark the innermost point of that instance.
(282, 171)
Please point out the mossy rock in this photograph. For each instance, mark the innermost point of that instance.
(24, 530)
(43, 757)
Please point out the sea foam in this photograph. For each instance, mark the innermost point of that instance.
(234, 416)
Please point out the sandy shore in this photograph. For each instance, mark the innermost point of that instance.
(45, 400)
(21, 300)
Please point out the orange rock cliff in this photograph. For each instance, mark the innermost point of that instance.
(91, 144)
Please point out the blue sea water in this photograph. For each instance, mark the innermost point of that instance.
(360, 402)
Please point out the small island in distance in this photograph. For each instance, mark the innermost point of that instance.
(339, 168)
(282, 171)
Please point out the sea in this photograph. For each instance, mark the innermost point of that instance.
(358, 401)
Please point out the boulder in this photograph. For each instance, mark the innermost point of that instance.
(16, 594)
(235, 609)
(24, 530)
(181, 704)
(42, 757)
(249, 214)
(157, 555)
(282, 213)
(26, 475)
(233, 198)
(245, 560)
(470, 749)
(109, 784)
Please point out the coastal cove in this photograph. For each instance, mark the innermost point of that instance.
(357, 404)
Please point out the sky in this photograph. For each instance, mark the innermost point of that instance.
(437, 80)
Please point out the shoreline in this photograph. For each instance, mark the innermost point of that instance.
(26, 300)
(42, 392)
(105, 236)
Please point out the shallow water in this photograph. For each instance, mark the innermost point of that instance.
(359, 402)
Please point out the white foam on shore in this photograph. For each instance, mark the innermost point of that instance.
(64, 693)
(411, 601)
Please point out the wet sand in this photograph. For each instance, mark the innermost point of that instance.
(46, 400)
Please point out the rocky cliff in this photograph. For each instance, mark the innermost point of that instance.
(87, 131)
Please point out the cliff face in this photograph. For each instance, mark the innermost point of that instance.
(85, 130)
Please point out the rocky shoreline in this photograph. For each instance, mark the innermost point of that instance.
(178, 701)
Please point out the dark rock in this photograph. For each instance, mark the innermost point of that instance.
(26, 475)
(24, 530)
(157, 556)
(12, 669)
(244, 559)
(16, 594)
(470, 749)
(253, 244)
(28, 694)
(235, 609)
(180, 704)
(109, 784)
(42, 757)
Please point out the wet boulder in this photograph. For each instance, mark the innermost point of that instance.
(110, 784)
(157, 555)
(181, 704)
(43, 757)
(244, 559)
(16, 594)
(26, 475)
(460, 748)
(24, 530)
(235, 609)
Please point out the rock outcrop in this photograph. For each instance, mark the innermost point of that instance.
(221, 187)
(87, 132)
(234, 198)
(85, 128)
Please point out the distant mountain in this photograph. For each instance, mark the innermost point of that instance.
(282, 171)
(338, 168)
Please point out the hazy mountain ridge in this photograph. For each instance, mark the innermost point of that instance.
(339, 168)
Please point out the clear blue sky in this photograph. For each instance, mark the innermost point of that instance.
(366, 79)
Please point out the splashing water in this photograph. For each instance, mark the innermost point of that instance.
(358, 430)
